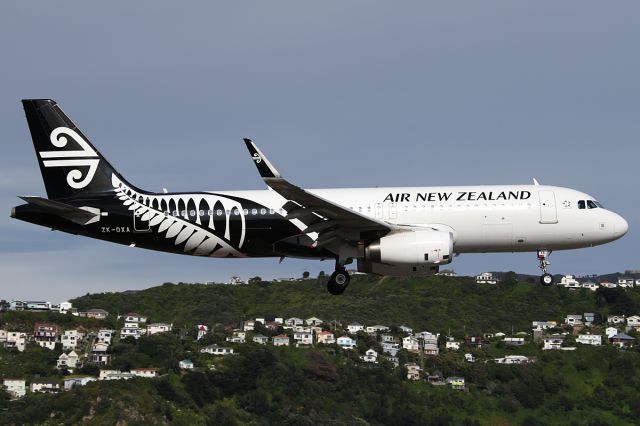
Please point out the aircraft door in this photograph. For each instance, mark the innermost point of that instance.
(393, 211)
(379, 210)
(140, 225)
(548, 212)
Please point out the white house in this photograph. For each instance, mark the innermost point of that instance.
(590, 285)
(543, 325)
(70, 339)
(65, 307)
(552, 342)
(326, 338)
(202, 331)
(431, 349)
(293, 322)
(45, 386)
(313, 321)
(569, 281)
(615, 319)
(573, 320)
(186, 364)
(413, 371)
(346, 342)
(145, 372)
(607, 284)
(249, 325)
(238, 336)
(633, 321)
(67, 361)
(17, 388)
(16, 340)
(411, 344)
(281, 340)
(589, 339)
(626, 281)
(610, 332)
(216, 350)
(486, 278)
(133, 317)
(354, 327)
(427, 337)
(373, 329)
(405, 329)
(260, 339)
(72, 382)
(105, 336)
(114, 375)
(131, 329)
(512, 359)
(302, 338)
(97, 313)
(452, 344)
(99, 354)
(390, 348)
(370, 356)
(514, 341)
(158, 327)
(469, 358)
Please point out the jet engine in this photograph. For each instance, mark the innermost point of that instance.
(407, 253)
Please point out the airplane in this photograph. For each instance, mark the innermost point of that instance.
(387, 231)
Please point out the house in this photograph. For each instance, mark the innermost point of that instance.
(302, 329)
(390, 348)
(427, 337)
(45, 386)
(447, 273)
(405, 329)
(436, 379)
(589, 318)
(413, 371)
(626, 282)
(622, 340)
(238, 336)
(610, 332)
(16, 388)
(37, 306)
(552, 342)
(570, 282)
(313, 321)
(65, 307)
(514, 341)
(452, 344)
(411, 344)
(513, 359)
(186, 364)
(387, 338)
(590, 285)
(260, 339)
(456, 382)
(99, 354)
(473, 341)
(16, 340)
(469, 358)
(70, 339)
(281, 340)
(303, 338)
(249, 325)
(633, 321)
(272, 325)
(486, 278)
(589, 339)
(394, 361)
(133, 317)
(370, 356)
(67, 361)
(355, 327)
(326, 338)
(607, 284)
(216, 350)
(45, 335)
(158, 328)
(374, 329)
(105, 336)
(543, 325)
(573, 320)
(76, 381)
(293, 322)
(203, 330)
(346, 342)
(114, 375)
(97, 314)
(145, 372)
(131, 331)
(615, 319)
(431, 349)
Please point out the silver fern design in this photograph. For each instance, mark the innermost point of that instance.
(202, 222)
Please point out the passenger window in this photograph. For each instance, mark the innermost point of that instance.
(581, 204)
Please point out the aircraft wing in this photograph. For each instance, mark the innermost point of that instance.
(331, 221)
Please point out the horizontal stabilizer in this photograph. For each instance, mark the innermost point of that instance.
(74, 214)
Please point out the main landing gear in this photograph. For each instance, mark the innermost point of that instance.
(546, 279)
(339, 280)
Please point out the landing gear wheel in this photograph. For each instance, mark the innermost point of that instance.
(338, 282)
(546, 280)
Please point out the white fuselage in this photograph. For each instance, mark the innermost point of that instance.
(509, 218)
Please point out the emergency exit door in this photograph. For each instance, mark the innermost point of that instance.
(548, 212)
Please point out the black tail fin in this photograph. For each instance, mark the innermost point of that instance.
(69, 163)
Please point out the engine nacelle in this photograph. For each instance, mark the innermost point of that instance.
(420, 250)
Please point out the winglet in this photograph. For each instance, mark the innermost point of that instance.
(264, 166)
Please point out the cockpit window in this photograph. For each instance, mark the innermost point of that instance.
(591, 204)
(599, 204)
(581, 204)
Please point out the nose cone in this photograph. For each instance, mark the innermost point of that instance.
(620, 226)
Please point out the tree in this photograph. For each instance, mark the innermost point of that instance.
(255, 280)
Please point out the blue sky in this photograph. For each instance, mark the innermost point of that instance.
(338, 94)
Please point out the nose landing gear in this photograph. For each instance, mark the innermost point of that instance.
(546, 279)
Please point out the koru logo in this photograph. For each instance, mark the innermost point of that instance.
(257, 158)
(85, 157)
